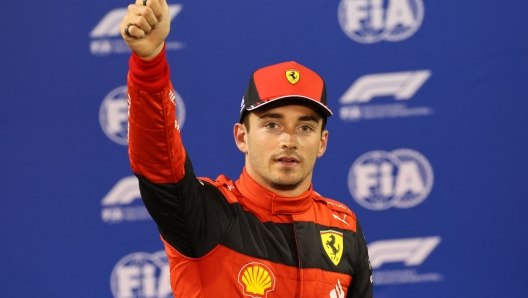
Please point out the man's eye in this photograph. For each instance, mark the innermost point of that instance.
(306, 128)
(271, 125)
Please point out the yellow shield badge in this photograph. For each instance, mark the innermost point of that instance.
(293, 76)
(333, 245)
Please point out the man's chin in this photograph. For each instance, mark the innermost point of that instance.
(286, 183)
(284, 187)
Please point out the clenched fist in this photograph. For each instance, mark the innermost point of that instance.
(146, 26)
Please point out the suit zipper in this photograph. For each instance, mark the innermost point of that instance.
(301, 277)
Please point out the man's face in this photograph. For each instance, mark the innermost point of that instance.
(282, 145)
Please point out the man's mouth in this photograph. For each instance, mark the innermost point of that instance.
(287, 160)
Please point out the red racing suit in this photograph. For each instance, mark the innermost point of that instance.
(229, 238)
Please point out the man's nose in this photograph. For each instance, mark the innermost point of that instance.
(288, 141)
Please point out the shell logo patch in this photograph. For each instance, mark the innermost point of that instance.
(257, 280)
(293, 76)
(333, 245)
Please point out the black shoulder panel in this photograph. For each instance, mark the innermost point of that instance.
(192, 216)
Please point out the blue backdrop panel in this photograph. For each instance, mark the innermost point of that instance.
(427, 143)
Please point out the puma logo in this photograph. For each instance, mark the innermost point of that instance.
(339, 218)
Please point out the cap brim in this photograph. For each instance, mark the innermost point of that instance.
(326, 111)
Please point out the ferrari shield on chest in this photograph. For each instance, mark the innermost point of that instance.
(333, 245)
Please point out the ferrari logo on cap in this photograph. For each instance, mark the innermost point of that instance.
(293, 76)
(333, 245)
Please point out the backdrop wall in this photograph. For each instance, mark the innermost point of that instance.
(427, 143)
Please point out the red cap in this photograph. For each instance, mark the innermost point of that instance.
(285, 80)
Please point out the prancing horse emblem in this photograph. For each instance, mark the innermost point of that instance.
(333, 245)
(293, 76)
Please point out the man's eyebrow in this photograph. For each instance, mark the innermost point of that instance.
(272, 115)
(281, 116)
(308, 118)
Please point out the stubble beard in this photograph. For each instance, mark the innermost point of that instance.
(283, 178)
(286, 179)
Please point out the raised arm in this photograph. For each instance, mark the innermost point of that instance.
(155, 147)
(176, 200)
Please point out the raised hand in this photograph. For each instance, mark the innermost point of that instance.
(146, 27)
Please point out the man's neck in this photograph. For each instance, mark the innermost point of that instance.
(281, 190)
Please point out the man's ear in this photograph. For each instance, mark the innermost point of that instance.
(240, 133)
(323, 144)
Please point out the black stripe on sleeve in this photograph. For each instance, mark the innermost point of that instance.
(192, 216)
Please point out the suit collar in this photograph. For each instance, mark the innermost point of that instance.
(271, 201)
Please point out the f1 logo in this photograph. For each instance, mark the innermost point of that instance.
(411, 251)
(401, 85)
(123, 193)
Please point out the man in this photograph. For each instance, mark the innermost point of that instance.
(268, 234)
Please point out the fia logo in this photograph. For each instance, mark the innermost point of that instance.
(370, 21)
(142, 275)
(113, 114)
(379, 180)
(106, 38)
